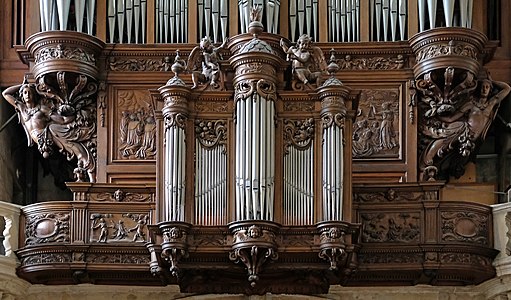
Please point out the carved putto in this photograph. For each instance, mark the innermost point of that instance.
(308, 61)
(457, 116)
(54, 116)
(204, 64)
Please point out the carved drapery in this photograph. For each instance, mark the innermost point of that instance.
(456, 103)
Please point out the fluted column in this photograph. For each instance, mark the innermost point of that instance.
(333, 113)
(255, 94)
(175, 113)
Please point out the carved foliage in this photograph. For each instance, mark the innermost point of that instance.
(376, 131)
(390, 195)
(117, 258)
(371, 63)
(126, 64)
(391, 227)
(137, 125)
(466, 227)
(47, 228)
(60, 51)
(299, 106)
(211, 106)
(46, 258)
(211, 134)
(298, 134)
(128, 227)
(450, 48)
(389, 257)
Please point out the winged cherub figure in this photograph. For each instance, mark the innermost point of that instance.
(308, 61)
(204, 63)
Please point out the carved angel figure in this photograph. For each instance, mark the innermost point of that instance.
(205, 58)
(458, 133)
(308, 61)
(50, 121)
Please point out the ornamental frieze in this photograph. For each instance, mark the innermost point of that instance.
(118, 258)
(450, 48)
(126, 64)
(372, 63)
(389, 258)
(465, 258)
(390, 195)
(211, 106)
(60, 51)
(46, 258)
(299, 106)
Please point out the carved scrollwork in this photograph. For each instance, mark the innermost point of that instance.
(211, 106)
(299, 106)
(46, 258)
(330, 119)
(253, 245)
(266, 89)
(244, 89)
(466, 227)
(176, 120)
(298, 134)
(60, 51)
(174, 245)
(211, 134)
(47, 228)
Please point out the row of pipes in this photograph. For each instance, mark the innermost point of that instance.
(210, 185)
(127, 19)
(298, 200)
(174, 174)
(332, 172)
(255, 158)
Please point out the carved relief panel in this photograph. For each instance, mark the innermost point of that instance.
(134, 126)
(118, 227)
(376, 132)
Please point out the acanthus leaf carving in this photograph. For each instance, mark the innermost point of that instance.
(211, 133)
(298, 134)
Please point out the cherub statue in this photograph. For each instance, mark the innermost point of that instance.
(206, 58)
(308, 61)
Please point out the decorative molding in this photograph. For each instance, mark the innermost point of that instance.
(211, 133)
(467, 227)
(372, 63)
(298, 134)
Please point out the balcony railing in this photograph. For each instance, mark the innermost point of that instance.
(9, 237)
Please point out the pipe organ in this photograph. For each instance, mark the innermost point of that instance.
(260, 166)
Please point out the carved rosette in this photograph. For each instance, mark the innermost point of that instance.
(173, 247)
(254, 243)
(339, 245)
